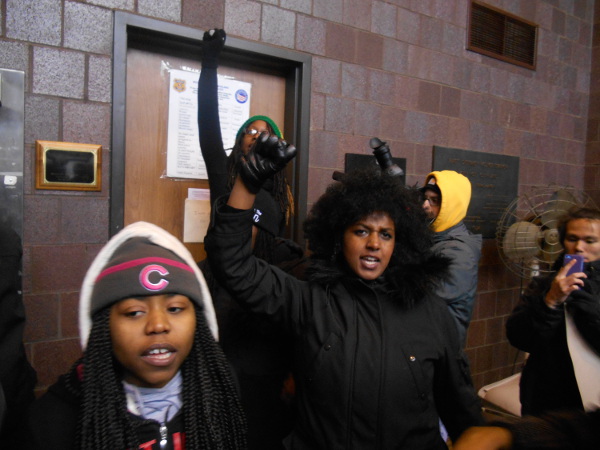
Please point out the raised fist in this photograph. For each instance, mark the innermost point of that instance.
(213, 42)
(384, 158)
(266, 157)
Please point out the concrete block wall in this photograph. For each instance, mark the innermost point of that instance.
(396, 69)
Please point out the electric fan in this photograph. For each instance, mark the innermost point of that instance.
(527, 233)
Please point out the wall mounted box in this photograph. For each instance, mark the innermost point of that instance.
(68, 166)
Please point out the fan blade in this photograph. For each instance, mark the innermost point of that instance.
(556, 207)
(521, 241)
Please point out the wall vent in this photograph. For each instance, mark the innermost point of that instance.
(501, 35)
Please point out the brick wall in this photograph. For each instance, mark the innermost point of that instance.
(592, 156)
(396, 69)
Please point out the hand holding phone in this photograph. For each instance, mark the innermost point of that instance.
(577, 267)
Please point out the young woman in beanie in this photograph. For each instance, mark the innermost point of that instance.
(377, 360)
(152, 375)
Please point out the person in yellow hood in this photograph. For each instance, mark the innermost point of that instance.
(446, 199)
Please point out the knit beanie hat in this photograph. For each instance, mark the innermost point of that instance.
(139, 268)
(267, 213)
(270, 121)
(139, 261)
(432, 186)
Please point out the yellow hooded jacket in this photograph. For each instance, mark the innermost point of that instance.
(456, 196)
(453, 239)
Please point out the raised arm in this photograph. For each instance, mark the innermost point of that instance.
(209, 126)
(227, 243)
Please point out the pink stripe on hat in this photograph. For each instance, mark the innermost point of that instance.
(139, 262)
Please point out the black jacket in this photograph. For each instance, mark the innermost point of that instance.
(460, 290)
(370, 372)
(559, 430)
(17, 377)
(548, 381)
(260, 354)
(53, 419)
(215, 157)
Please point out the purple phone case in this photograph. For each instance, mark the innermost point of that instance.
(578, 267)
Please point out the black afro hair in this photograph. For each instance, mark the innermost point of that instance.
(359, 194)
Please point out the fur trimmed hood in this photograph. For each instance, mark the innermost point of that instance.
(410, 283)
(413, 271)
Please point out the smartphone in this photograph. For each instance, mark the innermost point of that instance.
(577, 267)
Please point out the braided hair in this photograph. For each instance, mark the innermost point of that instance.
(212, 414)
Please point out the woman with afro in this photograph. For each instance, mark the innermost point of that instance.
(376, 355)
(152, 375)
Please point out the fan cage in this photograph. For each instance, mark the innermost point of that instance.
(541, 208)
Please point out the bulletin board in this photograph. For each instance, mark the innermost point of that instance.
(140, 189)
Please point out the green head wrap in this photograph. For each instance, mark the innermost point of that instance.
(272, 124)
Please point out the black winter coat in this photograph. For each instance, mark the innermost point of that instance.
(370, 371)
(548, 381)
(260, 355)
(53, 422)
(17, 377)
(558, 430)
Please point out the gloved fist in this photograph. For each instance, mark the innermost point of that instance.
(213, 42)
(384, 158)
(267, 156)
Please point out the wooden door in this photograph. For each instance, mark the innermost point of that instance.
(149, 194)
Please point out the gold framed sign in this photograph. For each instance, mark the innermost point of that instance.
(68, 166)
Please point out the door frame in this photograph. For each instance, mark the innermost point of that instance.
(154, 35)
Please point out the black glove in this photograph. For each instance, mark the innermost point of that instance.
(213, 42)
(267, 156)
(384, 158)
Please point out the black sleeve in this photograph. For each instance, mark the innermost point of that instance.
(17, 377)
(52, 419)
(457, 403)
(209, 128)
(532, 322)
(556, 430)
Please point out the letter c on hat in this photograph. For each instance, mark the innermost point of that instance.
(145, 278)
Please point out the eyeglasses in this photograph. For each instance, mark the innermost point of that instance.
(433, 201)
(253, 132)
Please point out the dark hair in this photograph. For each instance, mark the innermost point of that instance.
(576, 212)
(279, 189)
(358, 195)
(212, 415)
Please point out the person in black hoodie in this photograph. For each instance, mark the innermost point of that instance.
(257, 349)
(152, 375)
(17, 377)
(275, 196)
(377, 359)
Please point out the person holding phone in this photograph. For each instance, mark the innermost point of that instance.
(555, 313)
